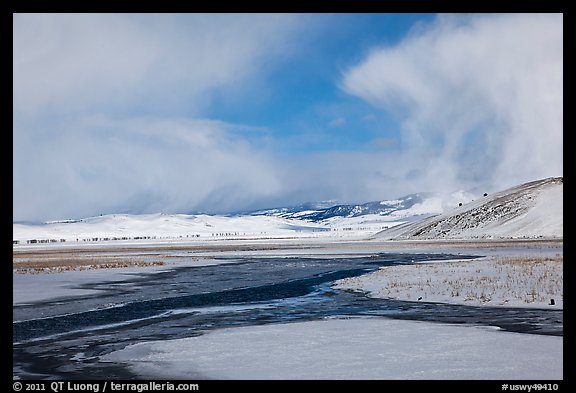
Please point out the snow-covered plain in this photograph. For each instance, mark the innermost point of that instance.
(356, 348)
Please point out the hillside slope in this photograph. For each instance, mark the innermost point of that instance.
(530, 210)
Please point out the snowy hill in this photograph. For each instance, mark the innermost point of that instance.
(122, 227)
(530, 210)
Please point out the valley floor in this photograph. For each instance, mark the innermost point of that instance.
(527, 262)
(349, 348)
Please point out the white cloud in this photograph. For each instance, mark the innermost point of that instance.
(74, 62)
(109, 111)
(138, 165)
(481, 98)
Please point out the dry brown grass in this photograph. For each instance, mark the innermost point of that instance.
(35, 268)
(501, 280)
(48, 262)
(529, 260)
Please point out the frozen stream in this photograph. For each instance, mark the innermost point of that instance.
(64, 338)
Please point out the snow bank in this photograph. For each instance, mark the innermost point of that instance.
(357, 348)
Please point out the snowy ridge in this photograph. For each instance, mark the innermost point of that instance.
(530, 210)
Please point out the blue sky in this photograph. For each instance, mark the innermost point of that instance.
(298, 102)
(178, 113)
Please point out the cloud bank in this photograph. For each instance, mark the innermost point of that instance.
(115, 113)
(109, 111)
(479, 98)
(140, 165)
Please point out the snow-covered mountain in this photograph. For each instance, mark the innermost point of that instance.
(408, 207)
(313, 212)
(529, 210)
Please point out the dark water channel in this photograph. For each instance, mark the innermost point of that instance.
(63, 338)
